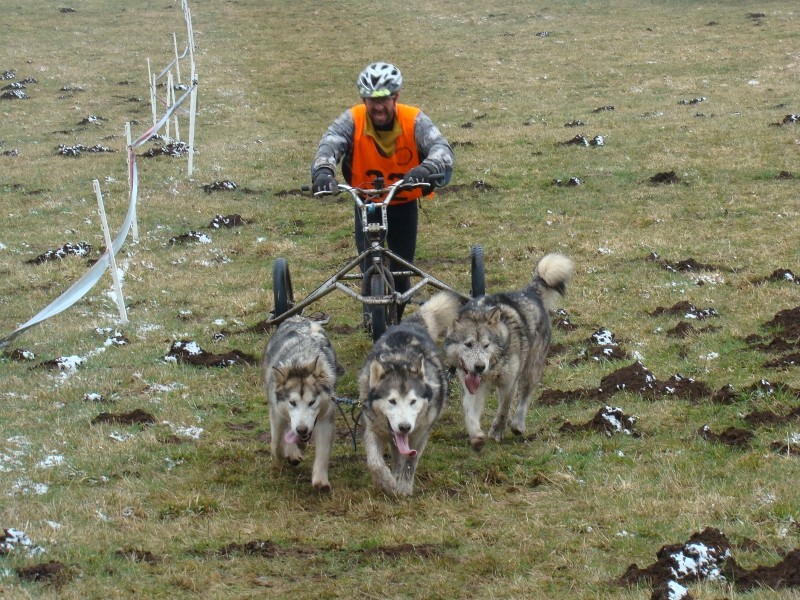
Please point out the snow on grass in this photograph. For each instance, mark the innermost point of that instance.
(15, 540)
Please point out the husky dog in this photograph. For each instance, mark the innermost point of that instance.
(403, 389)
(500, 341)
(300, 371)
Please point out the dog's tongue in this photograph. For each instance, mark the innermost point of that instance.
(291, 437)
(472, 381)
(402, 445)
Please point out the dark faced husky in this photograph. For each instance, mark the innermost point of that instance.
(500, 341)
(403, 388)
(300, 372)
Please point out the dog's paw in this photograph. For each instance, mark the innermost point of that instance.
(294, 458)
(399, 492)
(478, 442)
(322, 486)
(496, 433)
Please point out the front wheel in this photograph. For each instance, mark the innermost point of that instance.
(478, 277)
(377, 312)
(281, 287)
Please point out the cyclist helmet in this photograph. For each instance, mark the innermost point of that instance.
(379, 80)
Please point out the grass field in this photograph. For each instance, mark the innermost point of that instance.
(191, 505)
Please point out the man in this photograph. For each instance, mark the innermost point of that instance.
(382, 138)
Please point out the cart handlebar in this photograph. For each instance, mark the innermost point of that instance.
(379, 194)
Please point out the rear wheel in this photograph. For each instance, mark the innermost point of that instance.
(281, 287)
(478, 277)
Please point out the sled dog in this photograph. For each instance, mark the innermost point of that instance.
(300, 371)
(500, 341)
(403, 390)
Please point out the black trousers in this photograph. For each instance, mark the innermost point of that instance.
(402, 221)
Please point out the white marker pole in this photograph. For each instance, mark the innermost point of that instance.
(129, 153)
(168, 100)
(112, 263)
(151, 83)
(171, 103)
(177, 58)
(192, 113)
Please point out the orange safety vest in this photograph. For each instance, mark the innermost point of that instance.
(369, 163)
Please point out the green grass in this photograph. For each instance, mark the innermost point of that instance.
(557, 515)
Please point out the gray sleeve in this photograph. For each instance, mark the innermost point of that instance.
(334, 143)
(434, 149)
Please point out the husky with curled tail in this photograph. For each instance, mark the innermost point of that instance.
(403, 390)
(500, 342)
(300, 371)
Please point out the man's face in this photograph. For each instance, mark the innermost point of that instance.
(381, 110)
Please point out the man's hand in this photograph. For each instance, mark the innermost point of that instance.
(325, 182)
(418, 174)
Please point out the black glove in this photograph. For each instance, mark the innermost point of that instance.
(324, 181)
(418, 174)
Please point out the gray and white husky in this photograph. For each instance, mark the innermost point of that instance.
(500, 341)
(300, 371)
(403, 389)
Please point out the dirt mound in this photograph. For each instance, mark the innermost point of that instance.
(190, 353)
(219, 186)
(778, 275)
(80, 249)
(732, 436)
(700, 558)
(53, 572)
(785, 574)
(607, 420)
(227, 222)
(135, 417)
(685, 309)
(666, 177)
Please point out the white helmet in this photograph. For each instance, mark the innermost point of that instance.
(379, 80)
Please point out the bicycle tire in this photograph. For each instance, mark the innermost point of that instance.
(378, 312)
(477, 272)
(281, 287)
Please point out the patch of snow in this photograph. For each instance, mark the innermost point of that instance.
(29, 488)
(604, 337)
(675, 591)
(102, 516)
(191, 347)
(51, 461)
(14, 538)
(69, 363)
(711, 279)
(171, 463)
(623, 534)
(698, 560)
